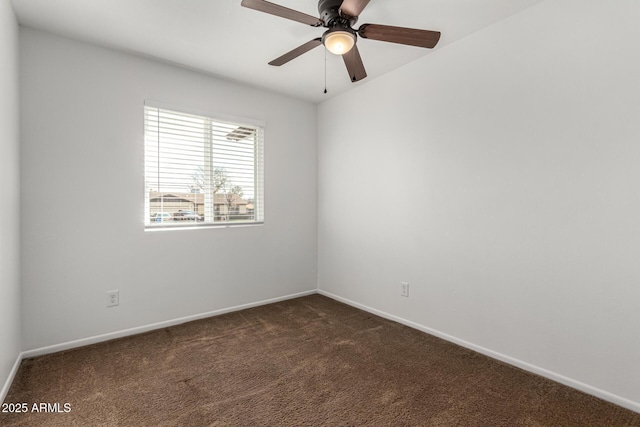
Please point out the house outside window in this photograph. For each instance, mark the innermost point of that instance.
(201, 170)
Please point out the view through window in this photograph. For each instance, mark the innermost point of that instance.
(201, 171)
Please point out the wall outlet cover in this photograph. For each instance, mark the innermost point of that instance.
(113, 298)
(404, 289)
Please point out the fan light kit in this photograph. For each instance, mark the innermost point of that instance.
(340, 39)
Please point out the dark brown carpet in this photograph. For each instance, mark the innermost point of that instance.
(309, 361)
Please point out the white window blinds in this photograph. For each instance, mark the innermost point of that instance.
(201, 171)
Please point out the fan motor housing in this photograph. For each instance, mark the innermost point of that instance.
(330, 13)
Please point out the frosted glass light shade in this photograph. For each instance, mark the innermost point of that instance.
(339, 42)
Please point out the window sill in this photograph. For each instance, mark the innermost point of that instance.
(174, 227)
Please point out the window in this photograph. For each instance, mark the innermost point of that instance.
(200, 170)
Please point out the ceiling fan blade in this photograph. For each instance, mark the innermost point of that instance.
(296, 52)
(353, 7)
(409, 36)
(354, 64)
(281, 11)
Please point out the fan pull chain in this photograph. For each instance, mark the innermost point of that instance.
(325, 70)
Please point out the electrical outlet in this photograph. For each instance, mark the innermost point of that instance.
(404, 289)
(113, 298)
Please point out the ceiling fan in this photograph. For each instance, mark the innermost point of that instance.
(338, 17)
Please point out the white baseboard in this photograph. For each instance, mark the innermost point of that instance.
(10, 378)
(145, 328)
(586, 388)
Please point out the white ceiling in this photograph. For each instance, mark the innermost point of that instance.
(222, 38)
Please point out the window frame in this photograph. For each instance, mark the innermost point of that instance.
(258, 171)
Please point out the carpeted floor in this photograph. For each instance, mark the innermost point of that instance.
(306, 362)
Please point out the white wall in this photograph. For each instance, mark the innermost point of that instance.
(82, 201)
(500, 177)
(9, 196)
